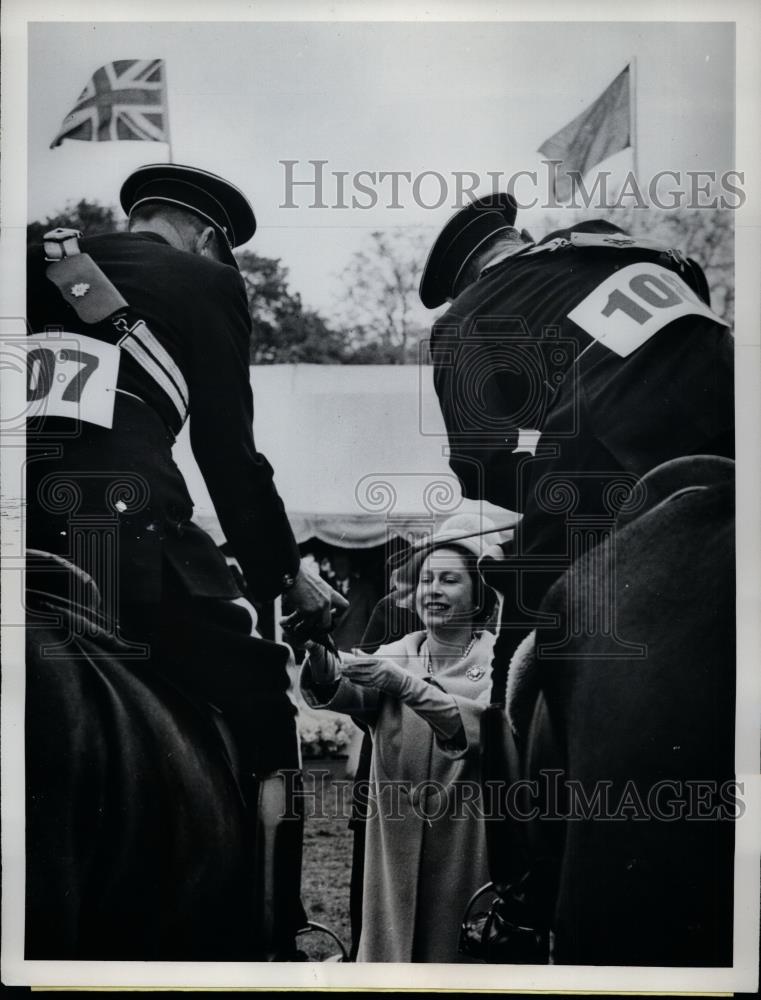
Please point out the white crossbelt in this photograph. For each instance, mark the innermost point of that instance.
(151, 355)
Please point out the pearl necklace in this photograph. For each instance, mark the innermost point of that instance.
(429, 658)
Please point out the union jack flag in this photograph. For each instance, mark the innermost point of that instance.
(125, 99)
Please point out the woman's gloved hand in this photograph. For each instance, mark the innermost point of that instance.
(377, 672)
(438, 708)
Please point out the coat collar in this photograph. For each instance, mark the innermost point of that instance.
(478, 656)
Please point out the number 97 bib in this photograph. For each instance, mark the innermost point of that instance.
(626, 309)
(71, 375)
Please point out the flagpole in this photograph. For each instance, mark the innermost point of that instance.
(633, 115)
(166, 114)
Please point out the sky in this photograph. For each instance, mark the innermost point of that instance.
(373, 96)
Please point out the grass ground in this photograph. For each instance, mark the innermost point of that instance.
(326, 869)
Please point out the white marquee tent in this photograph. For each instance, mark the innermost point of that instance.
(359, 452)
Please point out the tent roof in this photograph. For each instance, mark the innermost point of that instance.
(359, 453)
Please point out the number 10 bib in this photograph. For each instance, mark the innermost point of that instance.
(626, 309)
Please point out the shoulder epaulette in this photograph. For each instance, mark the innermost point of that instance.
(607, 241)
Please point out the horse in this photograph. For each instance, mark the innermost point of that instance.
(619, 850)
(145, 839)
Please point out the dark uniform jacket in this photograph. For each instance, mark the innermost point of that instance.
(199, 328)
(508, 357)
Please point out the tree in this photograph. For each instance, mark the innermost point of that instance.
(381, 307)
(89, 217)
(283, 331)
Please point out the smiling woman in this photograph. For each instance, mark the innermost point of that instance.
(447, 602)
(422, 698)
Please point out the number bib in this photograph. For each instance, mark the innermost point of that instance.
(71, 375)
(626, 309)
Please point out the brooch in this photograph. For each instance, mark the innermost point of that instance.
(474, 673)
(79, 290)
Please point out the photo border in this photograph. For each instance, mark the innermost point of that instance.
(16, 14)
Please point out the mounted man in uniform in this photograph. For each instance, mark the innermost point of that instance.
(161, 333)
(566, 370)
(150, 833)
(586, 383)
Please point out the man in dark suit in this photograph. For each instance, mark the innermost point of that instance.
(165, 311)
(566, 370)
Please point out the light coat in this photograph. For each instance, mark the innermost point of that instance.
(419, 872)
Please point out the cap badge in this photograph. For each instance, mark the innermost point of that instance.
(474, 673)
(80, 289)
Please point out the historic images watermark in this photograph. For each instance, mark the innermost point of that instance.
(549, 797)
(313, 184)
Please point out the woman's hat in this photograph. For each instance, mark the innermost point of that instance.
(472, 533)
